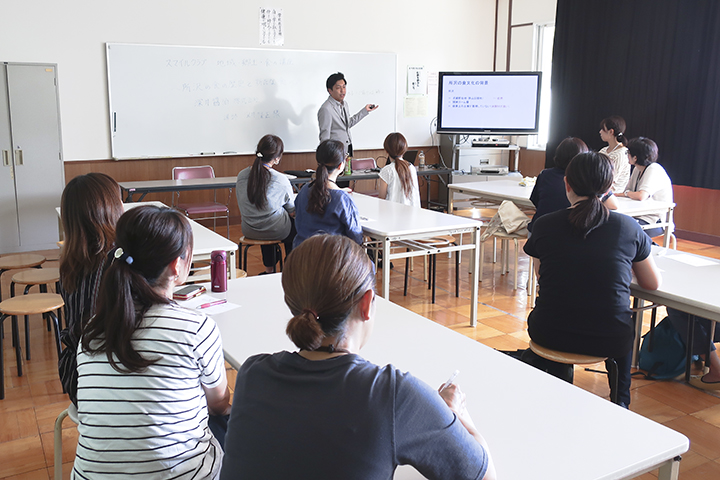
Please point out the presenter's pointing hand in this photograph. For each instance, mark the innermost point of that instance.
(370, 107)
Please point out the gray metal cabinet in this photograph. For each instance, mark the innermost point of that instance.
(31, 167)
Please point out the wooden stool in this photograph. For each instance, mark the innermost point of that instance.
(578, 359)
(71, 413)
(40, 277)
(16, 262)
(504, 254)
(36, 303)
(249, 242)
(240, 273)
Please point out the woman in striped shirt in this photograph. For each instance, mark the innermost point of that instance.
(149, 371)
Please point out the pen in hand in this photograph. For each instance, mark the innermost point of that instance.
(450, 380)
(211, 304)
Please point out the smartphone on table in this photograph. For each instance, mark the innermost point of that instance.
(188, 292)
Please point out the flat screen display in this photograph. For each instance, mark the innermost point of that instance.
(488, 102)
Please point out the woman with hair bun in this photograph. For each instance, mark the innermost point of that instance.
(149, 370)
(612, 131)
(265, 198)
(585, 257)
(398, 180)
(322, 206)
(324, 411)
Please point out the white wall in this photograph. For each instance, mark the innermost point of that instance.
(534, 11)
(523, 12)
(449, 35)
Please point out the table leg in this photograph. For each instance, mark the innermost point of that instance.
(532, 282)
(386, 268)
(670, 470)
(475, 260)
(668, 228)
(689, 348)
(638, 317)
(231, 262)
(427, 190)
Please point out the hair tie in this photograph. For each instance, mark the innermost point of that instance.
(259, 154)
(120, 254)
(312, 312)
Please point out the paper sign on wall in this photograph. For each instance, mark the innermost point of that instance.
(271, 27)
(416, 81)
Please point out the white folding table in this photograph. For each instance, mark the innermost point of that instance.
(500, 190)
(205, 241)
(390, 222)
(689, 283)
(536, 425)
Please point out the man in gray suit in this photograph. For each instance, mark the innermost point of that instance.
(335, 124)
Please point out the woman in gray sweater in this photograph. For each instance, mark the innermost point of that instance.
(265, 198)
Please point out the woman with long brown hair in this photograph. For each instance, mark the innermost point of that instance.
(324, 411)
(149, 370)
(322, 206)
(91, 205)
(398, 180)
(265, 198)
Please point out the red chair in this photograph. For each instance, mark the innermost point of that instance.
(204, 208)
(364, 165)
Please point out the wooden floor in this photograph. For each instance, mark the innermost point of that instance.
(32, 402)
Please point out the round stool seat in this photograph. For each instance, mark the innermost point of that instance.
(250, 241)
(31, 304)
(564, 357)
(23, 260)
(240, 273)
(37, 276)
(501, 234)
(439, 240)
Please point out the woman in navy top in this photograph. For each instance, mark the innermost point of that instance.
(548, 195)
(323, 411)
(585, 257)
(322, 206)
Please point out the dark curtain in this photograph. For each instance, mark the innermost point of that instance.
(656, 63)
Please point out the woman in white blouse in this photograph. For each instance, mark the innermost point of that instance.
(398, 180)
(648, 180)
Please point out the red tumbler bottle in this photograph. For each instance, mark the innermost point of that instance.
(218, 271)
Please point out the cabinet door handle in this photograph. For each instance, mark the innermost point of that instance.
(6, 158)
(18, 157)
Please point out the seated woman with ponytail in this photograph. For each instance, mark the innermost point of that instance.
(149, 370)
(612, 131)
(265, 198)
(398, 180)
(322, 206)
(324, 411)
(585, 258)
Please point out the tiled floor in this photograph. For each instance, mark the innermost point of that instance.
(32, 402)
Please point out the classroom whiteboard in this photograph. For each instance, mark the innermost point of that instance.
(176, 101)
